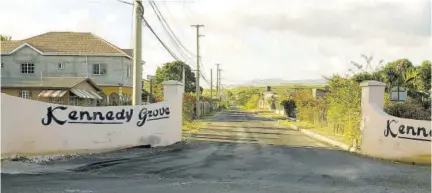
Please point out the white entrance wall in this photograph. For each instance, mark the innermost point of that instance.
(390, 137)
(34, 127)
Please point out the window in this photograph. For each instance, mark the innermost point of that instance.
(27, 68)
(99, 69)
(128, 71)
(61, 66)
(73, 100)
(56, 100)
(25, 94)
(2, 64)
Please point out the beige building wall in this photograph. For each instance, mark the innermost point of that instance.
(65, 99)
(75, 66)
(34, 93)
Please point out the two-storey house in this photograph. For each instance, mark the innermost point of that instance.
(68, 54)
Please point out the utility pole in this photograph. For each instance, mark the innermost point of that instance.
(198, 109)
(217, 80)
(137, 53)
(211, 85)
(184, 77)
(220, 90)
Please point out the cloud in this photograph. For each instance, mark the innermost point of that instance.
(111, 18)
(358, 21)
(290, 39)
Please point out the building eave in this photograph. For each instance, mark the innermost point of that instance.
(22, 46)
(35, 87)
(67, 53)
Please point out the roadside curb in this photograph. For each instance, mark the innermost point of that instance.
(319, 137)
(324, 139)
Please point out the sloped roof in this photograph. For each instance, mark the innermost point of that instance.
(65, 42)
(7, 46)
(46, 82)
(128, 52)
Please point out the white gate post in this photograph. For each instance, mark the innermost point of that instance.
(173, 94)
(372, 94)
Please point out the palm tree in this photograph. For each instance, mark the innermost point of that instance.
(404, 77)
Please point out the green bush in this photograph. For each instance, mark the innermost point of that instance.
(409, 109)
(344, 107)
(339, 110)
(289, 107)
(188, 107)
(253, 102)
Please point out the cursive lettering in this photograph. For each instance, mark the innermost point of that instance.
(407, 132)
(108, 117)
(50, 116)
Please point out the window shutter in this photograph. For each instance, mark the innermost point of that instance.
(103, 68)
(20, 93)
(30, 94)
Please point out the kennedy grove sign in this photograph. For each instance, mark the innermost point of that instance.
(390, 137)
(115, 116)
(33, 127)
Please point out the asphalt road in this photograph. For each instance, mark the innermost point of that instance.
(236, 152)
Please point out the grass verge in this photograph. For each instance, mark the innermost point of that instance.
(193, 127)
(324, 131)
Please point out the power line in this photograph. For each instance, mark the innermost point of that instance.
(168, 11)
(161, 20)
(169, 29)
(151, 29)
(160, 41)
(164, 45)
(203, 72)
(129, 3)
(125, 2)
(176, 41)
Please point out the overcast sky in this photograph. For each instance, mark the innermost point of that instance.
(251, 39)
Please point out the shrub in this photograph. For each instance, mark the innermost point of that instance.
(253, 102)
(289, 107)
(409, 109)
(344, 107)
(303, 104)
(188, 107)
(339, 110)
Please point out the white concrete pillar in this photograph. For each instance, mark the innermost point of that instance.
(372, 93)
(173, 94)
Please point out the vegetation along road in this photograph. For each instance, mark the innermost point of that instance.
(235, 152)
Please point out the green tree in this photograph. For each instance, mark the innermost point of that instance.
(174, 71)
(424, 77)
(399, 73)
(242, 95)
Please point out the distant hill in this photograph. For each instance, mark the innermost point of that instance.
(281, 82)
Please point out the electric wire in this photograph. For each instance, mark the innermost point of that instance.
(165, 26)
(170, 29)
